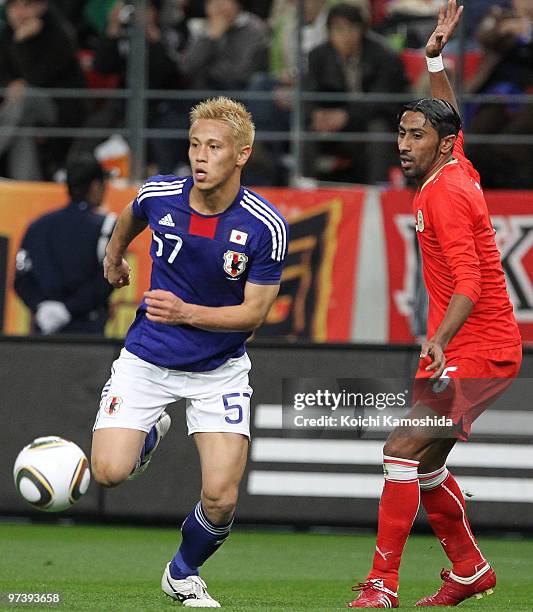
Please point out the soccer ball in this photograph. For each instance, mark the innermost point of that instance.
(51, 474)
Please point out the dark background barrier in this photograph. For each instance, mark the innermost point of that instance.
(52, 388)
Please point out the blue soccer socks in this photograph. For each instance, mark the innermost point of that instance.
(200, 539)
(149, 443)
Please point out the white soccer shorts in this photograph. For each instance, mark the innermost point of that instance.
(138, 392)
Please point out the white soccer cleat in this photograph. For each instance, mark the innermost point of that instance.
(191, 591)
(162, 426)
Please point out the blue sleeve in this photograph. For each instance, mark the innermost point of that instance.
(269, 257)
(160, 184)
(149, 188)
(137, 204)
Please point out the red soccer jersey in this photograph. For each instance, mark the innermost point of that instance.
(460, 255)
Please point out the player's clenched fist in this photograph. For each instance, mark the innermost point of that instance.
(165, 307)
(117, 275)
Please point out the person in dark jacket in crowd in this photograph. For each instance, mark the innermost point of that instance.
(163, 44)
(226, 48)
(354, 60)
(37, 49)
(59, 273)
(223, 52)
(506, 36)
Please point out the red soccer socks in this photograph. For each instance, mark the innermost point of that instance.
(397, 511)
(445, 507)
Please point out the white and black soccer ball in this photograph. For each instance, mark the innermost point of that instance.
(51, 474)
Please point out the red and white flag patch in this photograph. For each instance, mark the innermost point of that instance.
(238, 237)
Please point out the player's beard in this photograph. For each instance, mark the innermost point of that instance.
(421, 173)
(414, 171)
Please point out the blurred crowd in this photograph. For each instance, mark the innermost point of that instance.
(354, 46)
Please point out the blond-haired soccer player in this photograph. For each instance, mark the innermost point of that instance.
(217, 254)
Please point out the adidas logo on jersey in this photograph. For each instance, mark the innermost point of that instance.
(167, 220)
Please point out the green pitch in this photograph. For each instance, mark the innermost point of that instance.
(119, 568)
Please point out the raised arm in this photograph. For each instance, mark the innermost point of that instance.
(116, 268)
(438, 79)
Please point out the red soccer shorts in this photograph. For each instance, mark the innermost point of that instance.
(468, 385)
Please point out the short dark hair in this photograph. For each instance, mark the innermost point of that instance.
(81, 172)
(346, 11)
(440, 113)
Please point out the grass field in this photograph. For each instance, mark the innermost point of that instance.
(119, 568)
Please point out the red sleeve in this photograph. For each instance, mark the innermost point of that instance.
(453, 221)
(459, 154)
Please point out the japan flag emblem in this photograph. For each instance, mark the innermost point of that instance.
(238, 237)
(234, 263)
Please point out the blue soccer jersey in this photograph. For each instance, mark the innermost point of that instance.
(205, 260)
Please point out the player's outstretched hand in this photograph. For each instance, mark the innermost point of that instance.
(432, 352)
(117, 275)
(447, 22)
(165, 307)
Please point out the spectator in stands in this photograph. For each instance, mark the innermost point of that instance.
(284, 19)
(226, 48)
(274, 112)
(353, 60)
(407, 23)
(507, 68)
(36, 50)
(59, 273)
(164, 42)
(223, 51)
(90, 17)
(166, 36)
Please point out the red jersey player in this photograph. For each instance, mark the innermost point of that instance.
(472, 335)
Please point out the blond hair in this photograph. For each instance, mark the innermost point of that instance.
(230, 112)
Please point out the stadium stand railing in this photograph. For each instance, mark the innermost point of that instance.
(297, 134)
